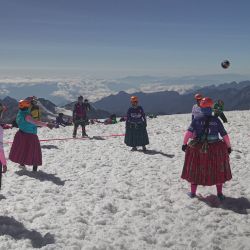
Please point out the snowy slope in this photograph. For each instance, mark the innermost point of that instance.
(96, 194)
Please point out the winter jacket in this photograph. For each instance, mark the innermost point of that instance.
(215, 127)
(23, 125)
(196, 111)
(80, 111)
(136, 115)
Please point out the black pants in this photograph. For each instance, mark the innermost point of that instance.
(222, 117)
(78, 123)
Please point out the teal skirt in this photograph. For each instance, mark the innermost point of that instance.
(136, 135)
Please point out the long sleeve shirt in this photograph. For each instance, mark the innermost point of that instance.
(136, 115)
(80, 110)
(196, 111)
(215, 127)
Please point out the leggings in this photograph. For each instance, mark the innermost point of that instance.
(194, 188)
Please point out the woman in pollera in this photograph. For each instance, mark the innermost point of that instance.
(26, 149)
(136, 123)
(206, 155)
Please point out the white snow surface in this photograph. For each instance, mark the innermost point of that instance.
(98, 195)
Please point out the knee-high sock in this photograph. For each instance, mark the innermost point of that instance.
(193, 188)
(219, 188)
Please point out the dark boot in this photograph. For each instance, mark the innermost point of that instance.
(34, 168)
(75, 130)
(84, 134)
(221, 197)
(144, 149)
(134, 149)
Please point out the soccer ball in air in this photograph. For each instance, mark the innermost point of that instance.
(225, 64)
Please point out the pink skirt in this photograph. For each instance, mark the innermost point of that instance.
(206, 163)
(26, 149)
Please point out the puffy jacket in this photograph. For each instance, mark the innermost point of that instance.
(23, 125)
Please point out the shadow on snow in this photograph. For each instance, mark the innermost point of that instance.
(155, 152)
(2, 197)
(9, 226)
(237, 205)
(42, 176)
(49, 147)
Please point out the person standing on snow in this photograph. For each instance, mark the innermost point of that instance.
(2, 155)
(196, 110)
(218, 110)
(80, 115)
(206, 156)
(136, 123)
(26, 149)
(35, 110)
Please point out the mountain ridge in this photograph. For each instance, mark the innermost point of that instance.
(235, 95)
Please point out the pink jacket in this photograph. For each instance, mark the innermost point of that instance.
(2, 155)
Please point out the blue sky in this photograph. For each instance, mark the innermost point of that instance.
(114, 38)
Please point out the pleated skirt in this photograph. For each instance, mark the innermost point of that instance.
(206, 164)
(26, 149)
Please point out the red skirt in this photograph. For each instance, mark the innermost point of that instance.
(206, 164)
(26, 149)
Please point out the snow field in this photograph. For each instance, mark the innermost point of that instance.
(95, 194)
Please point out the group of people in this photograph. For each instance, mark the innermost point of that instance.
(217, 108)
(206, 143)
(26, 149)
(80, 109)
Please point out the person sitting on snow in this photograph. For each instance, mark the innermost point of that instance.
(111, 120)
(60, 121)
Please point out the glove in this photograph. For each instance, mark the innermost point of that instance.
(50, 125)
(184, 147)
(229, 150)
(145, 124)
(4, 169)
(6, 126)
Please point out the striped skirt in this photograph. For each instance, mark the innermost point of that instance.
(206, 164)
(136, 135)
(26, 149)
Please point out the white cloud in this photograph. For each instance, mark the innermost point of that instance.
(92, 89)
(4, 91)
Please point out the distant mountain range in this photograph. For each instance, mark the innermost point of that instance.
(63, 91)
(235, 95)
(48, 109)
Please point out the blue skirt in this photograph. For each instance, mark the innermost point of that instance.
(136, 135)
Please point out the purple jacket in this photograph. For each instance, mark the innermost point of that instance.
(196, 111)
(215, 127)
(136, 115)
(80, 110)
